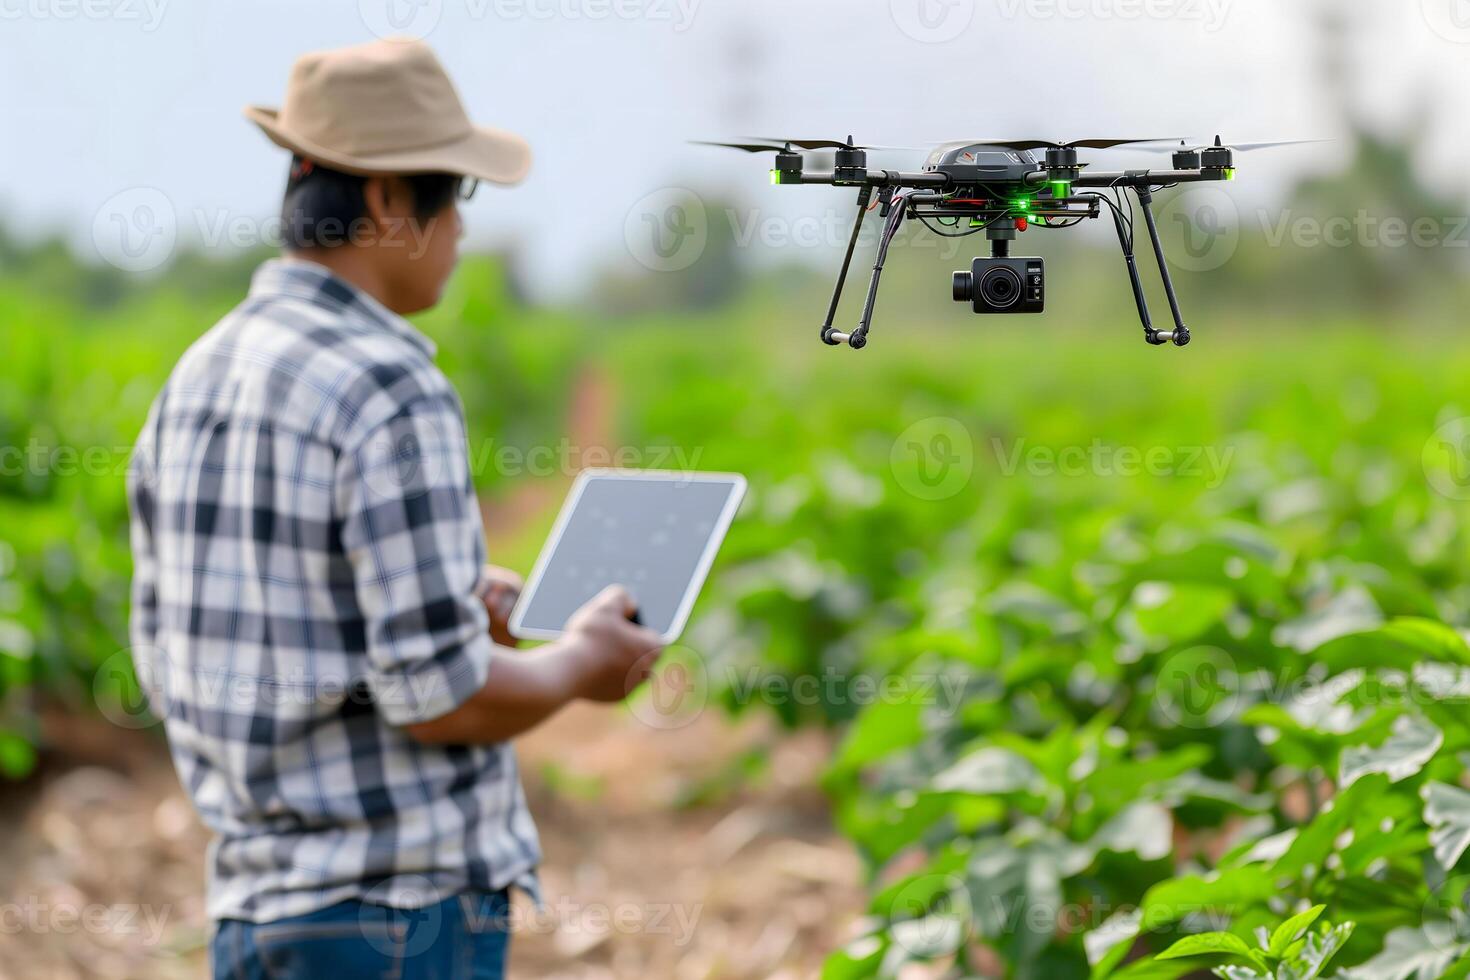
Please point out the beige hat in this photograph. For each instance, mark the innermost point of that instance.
(387, 108)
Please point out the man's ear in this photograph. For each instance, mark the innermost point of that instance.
(386, 197)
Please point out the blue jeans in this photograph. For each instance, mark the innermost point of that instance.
(465, 936)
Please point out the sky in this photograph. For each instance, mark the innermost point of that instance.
(126, 113)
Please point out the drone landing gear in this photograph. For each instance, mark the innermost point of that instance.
(1180, 334)
(892, 207)
(832, 337)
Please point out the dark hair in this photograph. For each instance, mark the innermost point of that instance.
(324, 207)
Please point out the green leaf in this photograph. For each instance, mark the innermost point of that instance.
(882, 728)
(17, 756)
(1434, 640)
(1110, 942)
(1286, 933)
(1311, 959)
(1447, 812)
(1145, 829)
(1411, 953)
(1350, 611)
(1175, 612)
(1412, 743)
(859, 959)
(988, 771)
(1213, 943)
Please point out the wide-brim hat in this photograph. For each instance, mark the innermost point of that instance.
(385, 108)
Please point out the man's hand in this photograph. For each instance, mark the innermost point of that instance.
(498, 589)
(602, 656)
(614, 654)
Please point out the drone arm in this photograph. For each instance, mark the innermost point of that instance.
(874, 178)
(864, 197)
(1148, 178)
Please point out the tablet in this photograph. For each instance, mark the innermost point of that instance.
(654, 533)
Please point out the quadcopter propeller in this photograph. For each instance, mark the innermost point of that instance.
(747, 147)
(822, 144)
(1238, 147)
(1089, 144)
(775, 144)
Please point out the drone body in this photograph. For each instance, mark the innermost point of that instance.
(1001, 188)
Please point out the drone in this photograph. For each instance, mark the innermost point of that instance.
(1002, 188)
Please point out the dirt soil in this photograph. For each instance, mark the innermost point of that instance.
(655, 866)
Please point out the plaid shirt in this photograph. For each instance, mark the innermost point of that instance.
(306, 547)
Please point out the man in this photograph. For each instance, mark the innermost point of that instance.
(308, 566)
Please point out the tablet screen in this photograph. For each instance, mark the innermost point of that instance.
(654, 534)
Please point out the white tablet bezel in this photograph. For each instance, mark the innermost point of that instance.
(735, 495)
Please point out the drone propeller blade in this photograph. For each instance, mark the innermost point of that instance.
(747, 147)
(822, 144)
(1267, 146)
(1108, 144)
(1089, 144)
(1237, 147)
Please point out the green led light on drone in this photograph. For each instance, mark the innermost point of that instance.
(1061, 188)
(775, 176)
(1229, 173)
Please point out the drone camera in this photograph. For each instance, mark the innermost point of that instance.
(1003, 285)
